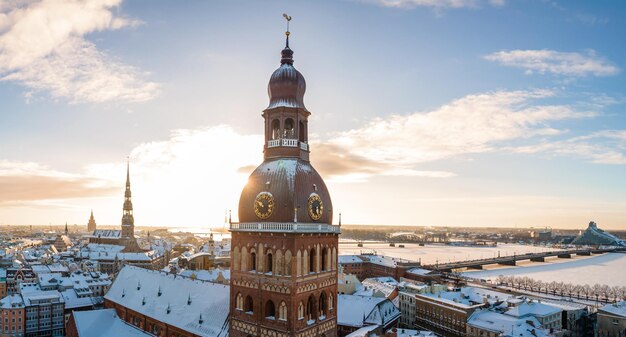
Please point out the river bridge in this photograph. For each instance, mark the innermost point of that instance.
(511, 260)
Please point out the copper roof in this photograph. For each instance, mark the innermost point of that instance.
(291, 182)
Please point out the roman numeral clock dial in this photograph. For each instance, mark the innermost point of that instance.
(263, 205)
(315, 207)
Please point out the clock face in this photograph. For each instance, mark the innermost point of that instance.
(263, 205)
(315, 206)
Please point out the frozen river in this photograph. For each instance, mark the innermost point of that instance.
(431, 254)
(607, 269)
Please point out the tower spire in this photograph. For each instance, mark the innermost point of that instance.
(287, 53)
(128, 173)
(128, 221)
(91, 225)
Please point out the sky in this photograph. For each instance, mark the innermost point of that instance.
(424, 112)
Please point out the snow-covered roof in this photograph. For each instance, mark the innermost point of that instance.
(107, 233)
(175, 300)
(12, 301)
(346, 259)
(206, 275)
(32, 295)
(102, 247)
(414, 333)
(357, 311)
(617, 309)
(362, 332)
(377, 286)
(386, 261)
(467, 297)
(508, 325)
(112, 254)
(104, 323)
(420, 271)
(534, 309)
(72, 301)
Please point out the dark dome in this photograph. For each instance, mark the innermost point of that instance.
(287, 85)
(291, 182)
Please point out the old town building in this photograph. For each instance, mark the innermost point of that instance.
(169, 305)
(612, 320)
(284, 247)
(12, 316)
(16, 276)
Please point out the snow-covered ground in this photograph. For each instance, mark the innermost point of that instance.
(431, 254)
(609, 269)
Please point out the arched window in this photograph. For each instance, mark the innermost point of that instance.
(312, 261)
(301, 132)
(253, 261)
(305, 262)
(310, 309)
(331, 301)
(239, 301)
(325, 259)
(298, 263)
(300, 311)
(289, 131)
(237, 258)
(287, 269)
(275, 129)
(333, 259)
(322, 306)
(278, 263)
(269, 263)
(270, 310)
(248, 305)
(282, 311)
(244, 259)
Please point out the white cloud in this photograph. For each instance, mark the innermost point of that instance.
(472, 124)
(23, 183)
(438, 4)
(559, 63)
(602, 147)
(43, 47)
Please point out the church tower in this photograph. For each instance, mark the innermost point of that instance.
(284, 247)
(128, 221)
(91, 225)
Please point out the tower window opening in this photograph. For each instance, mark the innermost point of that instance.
(270, 310)
(322, 306)
(269, 264)
(249, 305)
(312, 261)
(324, 259)
(310, 309)
(275, 129)
(253, 261)
(289, 129)
(301, 132)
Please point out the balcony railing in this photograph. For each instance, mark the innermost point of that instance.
(284, 227)
(287, 142)
(273, 143)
